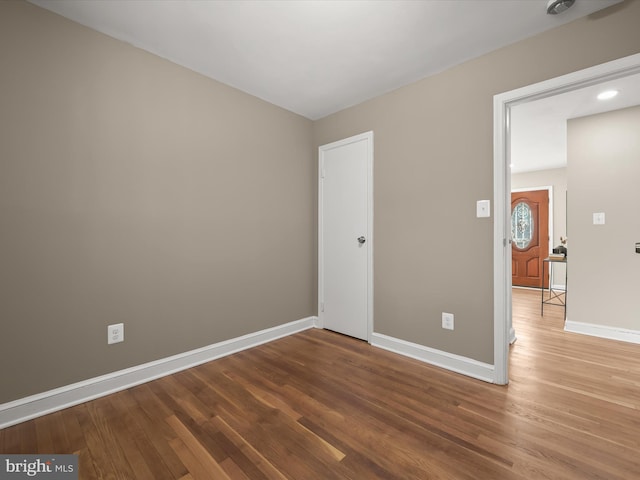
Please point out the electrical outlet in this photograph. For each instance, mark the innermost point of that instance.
(115, 333)
(447, 320)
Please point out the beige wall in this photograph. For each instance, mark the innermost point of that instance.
(434, 160)
(557, 179)
(603, 171)
(134, 190)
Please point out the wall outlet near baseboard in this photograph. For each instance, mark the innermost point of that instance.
(115, 333)
(447, 320)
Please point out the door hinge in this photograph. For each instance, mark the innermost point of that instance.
(322, 169)
(322, 306)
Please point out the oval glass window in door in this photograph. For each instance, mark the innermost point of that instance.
(521, 225)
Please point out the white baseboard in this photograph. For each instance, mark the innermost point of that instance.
(603, 331)
(40, 404)
(449, 361)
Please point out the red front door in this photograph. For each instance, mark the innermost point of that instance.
(530, 237)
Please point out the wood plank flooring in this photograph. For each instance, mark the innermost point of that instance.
(318, 405)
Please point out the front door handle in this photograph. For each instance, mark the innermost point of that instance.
(361, 240)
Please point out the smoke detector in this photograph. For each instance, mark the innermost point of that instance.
(555, 7)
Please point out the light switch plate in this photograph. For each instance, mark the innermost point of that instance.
(483, 208)
(598, 218)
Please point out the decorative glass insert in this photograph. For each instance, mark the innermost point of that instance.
(521, 225)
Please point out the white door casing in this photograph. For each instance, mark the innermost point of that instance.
(345, 236)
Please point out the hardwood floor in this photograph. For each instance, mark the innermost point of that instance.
(318, 405)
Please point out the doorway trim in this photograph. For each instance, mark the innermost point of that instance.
(502, 104)
(368, 137)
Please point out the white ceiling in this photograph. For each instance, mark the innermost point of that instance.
(318, 57)
(539, 128)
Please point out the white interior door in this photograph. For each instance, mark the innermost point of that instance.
(345, 236)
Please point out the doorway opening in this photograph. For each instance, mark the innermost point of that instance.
(503, 104)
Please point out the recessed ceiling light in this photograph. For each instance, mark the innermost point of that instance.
(607, 94)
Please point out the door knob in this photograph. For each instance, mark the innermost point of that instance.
(361, 240)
